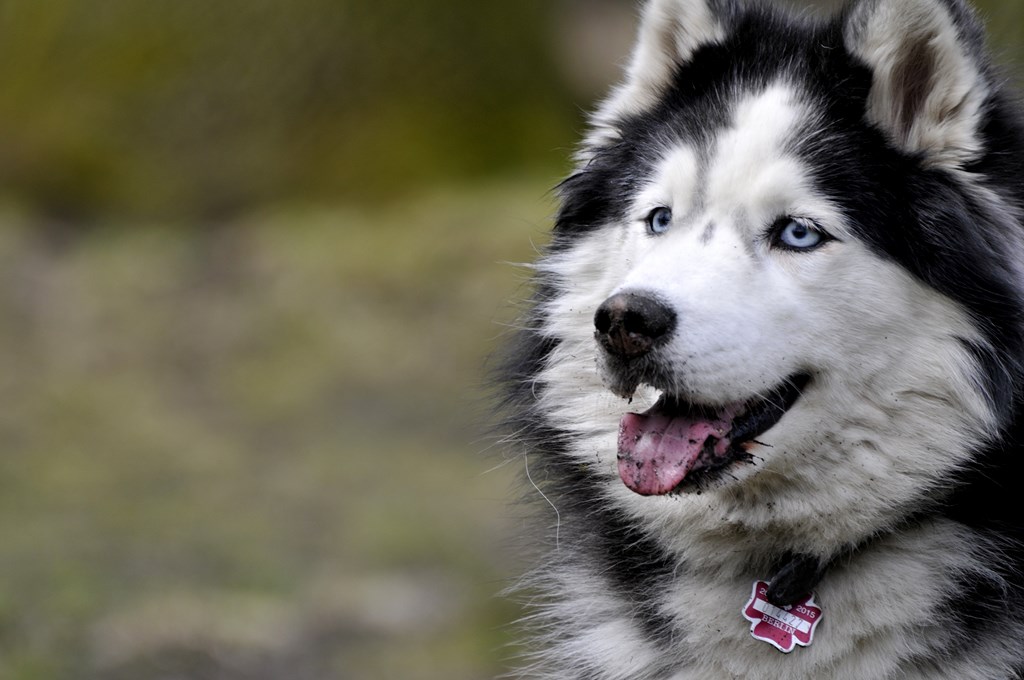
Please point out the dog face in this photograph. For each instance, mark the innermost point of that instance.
(757, 265)
(747, 250)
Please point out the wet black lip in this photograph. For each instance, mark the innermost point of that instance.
(759, 415)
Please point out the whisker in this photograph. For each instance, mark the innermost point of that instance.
(558, 515)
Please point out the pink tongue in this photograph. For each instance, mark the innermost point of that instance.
(658, 451)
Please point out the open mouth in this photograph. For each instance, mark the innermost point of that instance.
(678, 445)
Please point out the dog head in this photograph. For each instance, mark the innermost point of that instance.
(781, 238)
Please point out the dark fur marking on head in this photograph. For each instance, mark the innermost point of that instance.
(709, 233)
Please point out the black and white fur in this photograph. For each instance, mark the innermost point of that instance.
(894, 484)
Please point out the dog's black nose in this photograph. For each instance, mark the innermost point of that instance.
(630, 325)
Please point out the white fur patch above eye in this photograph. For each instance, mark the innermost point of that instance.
(674, 184)
(750, 166)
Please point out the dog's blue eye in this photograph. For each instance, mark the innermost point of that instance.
(659, 221)
(793, 233)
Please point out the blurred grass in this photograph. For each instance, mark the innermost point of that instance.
(198, 111)
(250, 453)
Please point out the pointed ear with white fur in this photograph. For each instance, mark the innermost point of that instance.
(670, 32)
(929, 86)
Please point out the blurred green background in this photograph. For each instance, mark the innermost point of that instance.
(253, 257)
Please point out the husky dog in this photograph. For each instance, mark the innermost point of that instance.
(771, 379)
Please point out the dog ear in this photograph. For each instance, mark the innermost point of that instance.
(930, 83)
(670, 32)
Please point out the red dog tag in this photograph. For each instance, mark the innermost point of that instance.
(781, 627)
